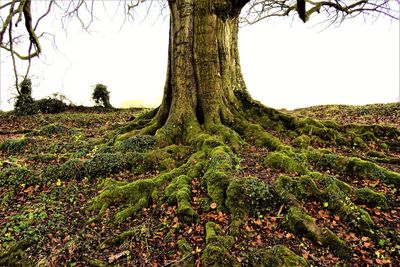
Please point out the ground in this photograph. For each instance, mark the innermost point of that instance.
(55, 170)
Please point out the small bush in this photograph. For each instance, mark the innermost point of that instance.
(25, 105)
(17, 176)
(53, 129)
(105, 163)
(51, 105)
(260, 194)
(71, 169)
(101, 95)
(140, 143)
(14, 145)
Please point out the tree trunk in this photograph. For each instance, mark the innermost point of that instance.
(203, 65)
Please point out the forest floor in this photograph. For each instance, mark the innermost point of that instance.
(54, 218)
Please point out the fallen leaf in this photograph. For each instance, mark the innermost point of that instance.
(258, 222)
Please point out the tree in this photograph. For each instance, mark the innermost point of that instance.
(206, 105)
(101, 95)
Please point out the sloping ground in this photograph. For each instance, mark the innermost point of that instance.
(388, 114)
(45, 218)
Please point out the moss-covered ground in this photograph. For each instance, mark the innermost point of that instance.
(324, 193)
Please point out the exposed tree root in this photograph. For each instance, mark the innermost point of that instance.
(290, 141)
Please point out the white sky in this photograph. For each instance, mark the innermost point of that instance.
(286, 64)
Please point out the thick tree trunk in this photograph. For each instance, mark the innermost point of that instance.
(203, 65)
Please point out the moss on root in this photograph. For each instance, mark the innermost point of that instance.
(361, 169)
(187, 253)
(370, 198)
(179, 191)
(299, 222)
(328, 190)
(284, 162)
(218, 171)
(132, 197)
(302, 141)
(217, 251)
(279, 256)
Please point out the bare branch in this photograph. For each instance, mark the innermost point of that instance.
(335, 10)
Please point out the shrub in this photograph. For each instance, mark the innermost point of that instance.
(140, 143)
(53, 129)
(25, 105)
(17, 176)
(105, 163)
(51, 105)
(101, 95)
(14, 145)
(70, 169)
(260, 194)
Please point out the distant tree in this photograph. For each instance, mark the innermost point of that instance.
(101, 95)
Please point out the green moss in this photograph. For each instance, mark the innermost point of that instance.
(358, 142)
(282, 161)
(187, 251)
(216, 178)
(352, 166)
(179, 191)
(13, 146)
(380, 131)
(336, 245)
(228, 136)
(326, 160)
(184, 247)
(302, 188)
(299, 222)
(326, 189)
(369, 136)
(277, 256)
(302, 141)
(370, 198)
(18, 176)
(365, 169)
(384, 146)
(43, 157)
(217, 183)
(135, 196)
(256, 134)
(236, 201)
(310, 127)
(217, 251)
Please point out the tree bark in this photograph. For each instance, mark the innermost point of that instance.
(203, 65)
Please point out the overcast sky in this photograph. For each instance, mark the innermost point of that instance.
(286, 64)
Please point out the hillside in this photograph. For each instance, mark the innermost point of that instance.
(46, 220)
